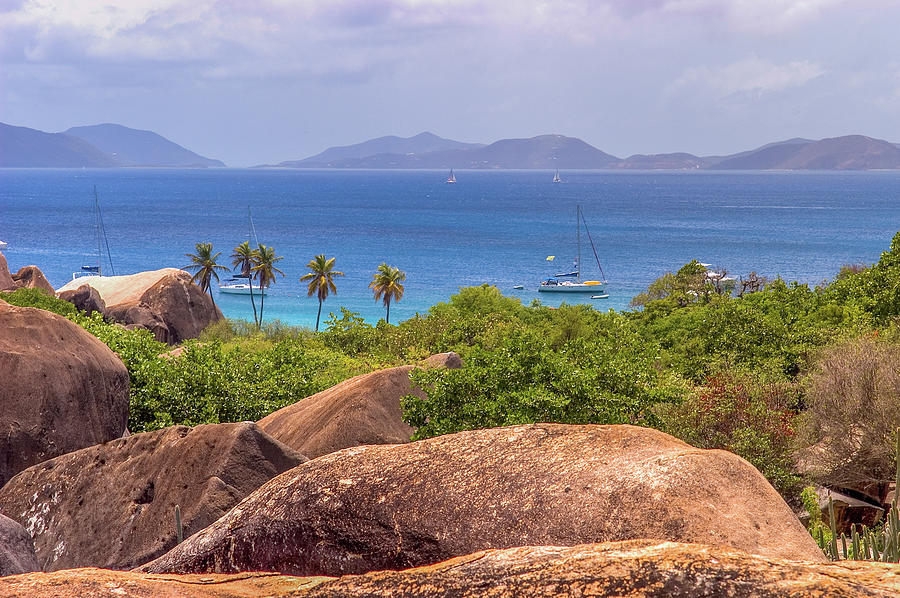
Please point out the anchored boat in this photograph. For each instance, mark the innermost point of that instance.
(97, 269)
(561, 283)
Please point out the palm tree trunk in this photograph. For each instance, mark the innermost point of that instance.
(262, 304)
(388, 318)
(213, 299)
(318, 315)
(253, 303)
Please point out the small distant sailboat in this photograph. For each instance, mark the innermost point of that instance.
(556, 177)
(452, 177)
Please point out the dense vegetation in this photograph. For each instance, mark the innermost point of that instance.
(771, 370)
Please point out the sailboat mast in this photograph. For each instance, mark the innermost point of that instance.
(578, 228)
(98, 232)
(251, 235)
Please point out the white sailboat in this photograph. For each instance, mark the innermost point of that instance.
(452, 177)
(97, 269)
(242, 284)
(595, 287)
(556, 177)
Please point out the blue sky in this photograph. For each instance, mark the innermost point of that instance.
(271, 80)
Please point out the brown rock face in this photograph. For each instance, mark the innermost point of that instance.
(165, 302)
(31, 277)
(362, 410)
(397, 506)
(61, 390)
(16, 549)
(6, 281)
(113, 505)
(632, 569)
(86, 298)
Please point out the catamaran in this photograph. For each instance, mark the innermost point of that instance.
(97, 269)
(595, 287)
(556, 177)
(452, 177)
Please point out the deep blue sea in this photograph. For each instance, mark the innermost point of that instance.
(495, 227)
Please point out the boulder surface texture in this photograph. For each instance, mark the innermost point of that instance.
(113, 505)
(397, 506)
(16, 549)
(86, 298)
(31, 277)
(62, 389)
(6, 280)
(362, 410)
(165, 302)
(631, 569)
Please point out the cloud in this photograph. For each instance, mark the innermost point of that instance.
(750, 78)
(754, 17)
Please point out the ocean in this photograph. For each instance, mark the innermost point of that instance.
(491, 227)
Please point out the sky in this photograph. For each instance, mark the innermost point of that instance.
(261, 81)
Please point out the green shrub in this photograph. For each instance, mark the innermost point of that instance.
(608, 378)
(211, 384)
(40, 299)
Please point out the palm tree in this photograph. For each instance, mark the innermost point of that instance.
(321, 280)
(264, 270)
(243, 258)
(204, 262)
(386, 284)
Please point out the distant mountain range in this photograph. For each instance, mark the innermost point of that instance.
(851, 152)
(111, 145)
(101, 146)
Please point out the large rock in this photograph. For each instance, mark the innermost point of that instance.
(165, 302)
(362, 410)
(632, 569)
(6, 281)
(397, 506)
(16, 549)
(113, 505)
(86, 298)
(31, 277)
(61, 390)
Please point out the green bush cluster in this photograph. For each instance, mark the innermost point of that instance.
(210, 383)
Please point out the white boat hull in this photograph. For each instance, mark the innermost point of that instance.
(241, 290)
(572, 288)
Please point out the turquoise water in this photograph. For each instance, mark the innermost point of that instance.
(493, 227)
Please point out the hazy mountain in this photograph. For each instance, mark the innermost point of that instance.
(677, 161)
(419, 144)
(133, 147)
(851, 152)
(544, 151)
(21, 147)
(713, 160)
